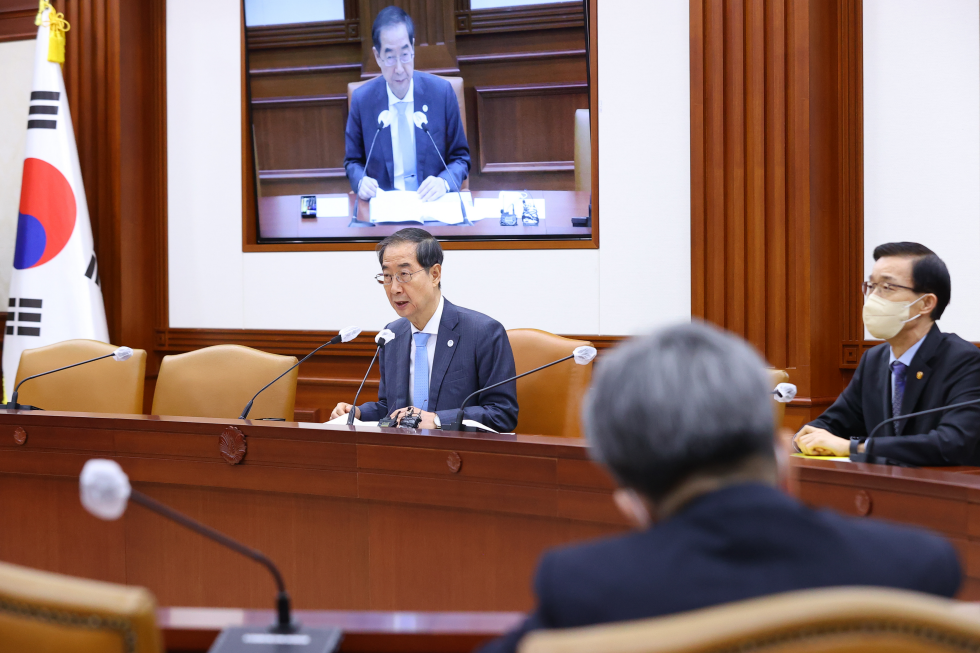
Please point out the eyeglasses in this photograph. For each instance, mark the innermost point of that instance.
(884, 289)
(402, 277)
(404, 57)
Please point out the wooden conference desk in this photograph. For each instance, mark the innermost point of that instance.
(365, 518)
(279, 217)
(357, 519)
(195, 629)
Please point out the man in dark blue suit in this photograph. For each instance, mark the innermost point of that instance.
(441, 353)
(683, 421)
(404, 158)
(918, 367)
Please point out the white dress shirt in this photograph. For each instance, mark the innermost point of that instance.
(431, 328)
(396, 153)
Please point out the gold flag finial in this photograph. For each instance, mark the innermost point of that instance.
(58, 26)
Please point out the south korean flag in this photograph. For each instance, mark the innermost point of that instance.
(55, 289)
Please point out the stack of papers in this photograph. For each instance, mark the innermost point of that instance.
(405, 206)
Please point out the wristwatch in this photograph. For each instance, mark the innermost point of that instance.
(855, 443)
(445, 181)
(435, 418)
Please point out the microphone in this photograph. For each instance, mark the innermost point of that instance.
(582, 355)
(383, 338)
(784, 393)
(120, 354)
(105, 492)
(384, 120)
(867, 457)
(345, 335)
(422, 122)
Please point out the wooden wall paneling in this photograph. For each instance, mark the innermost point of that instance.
(529, 127)
(435, 34)
(776, 181)
(522, 18)
(300, 134)
(17, 20)
(304, 34)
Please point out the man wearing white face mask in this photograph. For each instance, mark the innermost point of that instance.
(918, 367)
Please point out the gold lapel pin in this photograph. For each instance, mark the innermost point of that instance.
(918, 375)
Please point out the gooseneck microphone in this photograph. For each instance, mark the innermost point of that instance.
(120, 354)
(422, 122)
(582, 355)
(345, 335)
(384, 120)
(868, 457)
(105, 492)
(784, 393)
(383, 338)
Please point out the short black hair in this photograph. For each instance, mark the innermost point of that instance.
(929, 273)
(428, 251)
(389, 17)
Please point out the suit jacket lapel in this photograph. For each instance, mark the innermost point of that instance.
(421, 140)
(918, 373)
(384, 139)
(401, 356)
(444, 353)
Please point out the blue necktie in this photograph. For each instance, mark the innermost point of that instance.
(406, 145)
(898, 371)
(420, 389)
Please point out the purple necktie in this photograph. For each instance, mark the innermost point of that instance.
(898, 371)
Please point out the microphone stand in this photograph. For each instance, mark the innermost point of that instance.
(381, 127)
(457, 424)
(867, 456)
(248, 407)
(284, 622)
(13, 405)
(425, 128)
(353, 410)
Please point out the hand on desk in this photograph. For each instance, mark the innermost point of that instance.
(428, 419)
(368, 188)
(432, 189)
(343, 409)
(820, 442)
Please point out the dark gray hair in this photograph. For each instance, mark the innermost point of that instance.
(428, 251)
(685, 399)
(389, 17)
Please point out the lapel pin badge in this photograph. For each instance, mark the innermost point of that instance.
(425, 107)
(450, 343)
(918, 375)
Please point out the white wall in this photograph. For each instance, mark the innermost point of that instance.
(639, 277)
(922, 139)
(280, 12)
(16, 71)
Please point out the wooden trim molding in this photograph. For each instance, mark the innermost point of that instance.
(310, 173)
(518, 19)
(298, 343)
(266, 37)
(17, 20)
(298, 101)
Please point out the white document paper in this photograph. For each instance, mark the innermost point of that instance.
(332, 206)
(405, 206)
(342, 420)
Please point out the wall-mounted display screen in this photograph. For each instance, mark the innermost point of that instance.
(470, 119)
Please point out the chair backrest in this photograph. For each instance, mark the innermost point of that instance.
(218, 381)
(838, 620)
(583, 151)
(43, 612)
(779, 409)
(549, 400)
(105, 386)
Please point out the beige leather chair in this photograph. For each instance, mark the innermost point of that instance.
(105, 386)
(43, 612)
(550, 400)
(457, 84)
(838, 620)
(218, 381)
(583, 151)
(779, 409)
